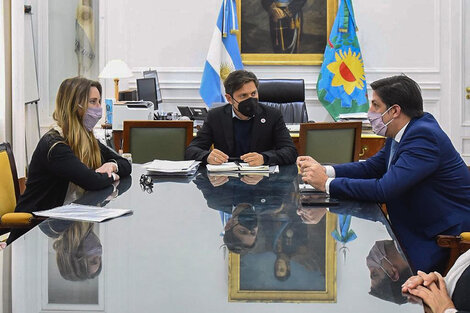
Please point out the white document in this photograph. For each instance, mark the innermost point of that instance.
(164, 167)
(79, 212)
(357, 115)
(224, 167)
(237, 167)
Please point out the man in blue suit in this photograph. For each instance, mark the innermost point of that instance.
(418, 174)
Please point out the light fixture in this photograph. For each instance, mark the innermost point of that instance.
(116, 69)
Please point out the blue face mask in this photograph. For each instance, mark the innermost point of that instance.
(91, 117)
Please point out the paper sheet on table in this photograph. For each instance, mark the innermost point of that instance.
(241, 167)
(164, 167)
(79, 212)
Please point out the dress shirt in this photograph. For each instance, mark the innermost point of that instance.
(235, 115)
(330, 171)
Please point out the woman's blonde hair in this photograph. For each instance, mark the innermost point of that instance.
(71, 262)
(71, 104)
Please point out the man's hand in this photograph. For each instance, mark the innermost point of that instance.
(311, 215)
(251, 179)
(305, 159)
(109, 168)
(435, 295)
(312, 173)
(253, 159)
(217, 180)
(217, 157)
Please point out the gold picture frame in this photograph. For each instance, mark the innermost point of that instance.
(254, 48)
(326, 294)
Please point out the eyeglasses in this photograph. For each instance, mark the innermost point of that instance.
(146, 183)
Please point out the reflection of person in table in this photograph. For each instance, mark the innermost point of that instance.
(285, 24)
(241, 229)
(388, 271)
(77, 246)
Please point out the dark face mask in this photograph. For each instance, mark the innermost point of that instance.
(247, 218)
(248, 107)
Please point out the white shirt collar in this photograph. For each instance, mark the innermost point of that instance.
(235, 115)
(400, 133)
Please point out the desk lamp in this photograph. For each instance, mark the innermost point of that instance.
(116, 69)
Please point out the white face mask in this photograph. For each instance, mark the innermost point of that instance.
(377, 123)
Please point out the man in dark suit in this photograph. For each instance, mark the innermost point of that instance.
(243, 128)
(418, 174)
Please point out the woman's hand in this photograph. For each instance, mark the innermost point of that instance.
(108, 168)
(421, 279)
(435, 296)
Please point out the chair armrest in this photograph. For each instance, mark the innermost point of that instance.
(16, 219)
(465, 236)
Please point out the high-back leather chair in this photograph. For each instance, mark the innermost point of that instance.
(10, 192)
(331, 142)
(288, 95)
(164, 140)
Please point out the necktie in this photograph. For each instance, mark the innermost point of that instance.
(393, 148)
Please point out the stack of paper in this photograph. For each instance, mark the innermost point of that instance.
(241, 168)
(172, 168)
(79, 212)
(356, 117)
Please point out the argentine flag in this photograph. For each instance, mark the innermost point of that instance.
(223, 56)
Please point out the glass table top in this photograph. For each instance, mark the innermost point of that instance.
(210, 244)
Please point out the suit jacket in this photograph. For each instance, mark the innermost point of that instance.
(426, 189)
(269, 136)
(460, 294)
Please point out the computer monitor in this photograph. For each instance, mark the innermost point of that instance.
(150, 74)
(147, 91)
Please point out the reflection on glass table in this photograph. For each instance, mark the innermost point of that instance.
(167, 256)
(74, 263)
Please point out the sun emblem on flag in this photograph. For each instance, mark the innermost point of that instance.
(225, 70)
(348, 70)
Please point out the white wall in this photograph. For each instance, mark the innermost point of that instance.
(2, 75)
(396, 36)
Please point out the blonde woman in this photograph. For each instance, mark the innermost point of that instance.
(68, 159)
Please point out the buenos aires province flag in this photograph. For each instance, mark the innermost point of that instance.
(223, 56)
(341, 85)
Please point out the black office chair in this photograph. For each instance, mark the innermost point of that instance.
(288, 95)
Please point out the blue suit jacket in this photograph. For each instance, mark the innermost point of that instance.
(426, 189)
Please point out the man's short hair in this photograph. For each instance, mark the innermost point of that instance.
(400, 90)
(237, 79)
(234, 244)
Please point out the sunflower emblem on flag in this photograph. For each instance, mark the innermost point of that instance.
(348, 70)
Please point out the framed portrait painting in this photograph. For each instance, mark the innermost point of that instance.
(290, 262)
(284, 32)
